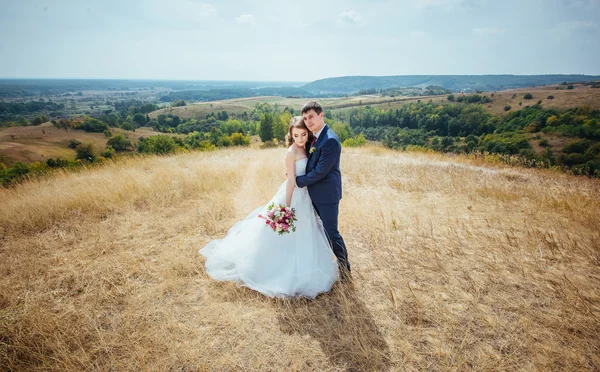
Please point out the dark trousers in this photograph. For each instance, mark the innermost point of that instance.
(329, 215)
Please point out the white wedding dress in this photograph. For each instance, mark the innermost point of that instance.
(299, 263)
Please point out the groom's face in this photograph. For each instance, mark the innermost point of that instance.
(314, 122)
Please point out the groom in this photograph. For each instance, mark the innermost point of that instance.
(323, 177)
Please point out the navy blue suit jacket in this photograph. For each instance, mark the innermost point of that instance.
(323, 177)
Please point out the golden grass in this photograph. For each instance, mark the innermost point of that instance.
(563, 99)
(239, 105)
(457, 265)
(31, 144)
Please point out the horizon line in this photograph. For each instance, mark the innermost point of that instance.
(286, 81)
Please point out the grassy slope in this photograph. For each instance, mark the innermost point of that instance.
(457, 265)
(580, 95)
(31, 144)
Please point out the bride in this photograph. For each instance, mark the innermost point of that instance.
(299, 263)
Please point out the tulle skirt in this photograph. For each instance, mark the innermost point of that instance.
(299, 263)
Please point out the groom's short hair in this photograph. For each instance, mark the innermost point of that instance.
(312, 105)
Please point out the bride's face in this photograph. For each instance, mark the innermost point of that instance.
(300, 136)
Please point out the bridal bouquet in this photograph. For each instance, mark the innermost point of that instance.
(280, 218)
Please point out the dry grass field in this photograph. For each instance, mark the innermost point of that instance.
(457, 265)
(237, 106)
(563, 99)
(31, 144)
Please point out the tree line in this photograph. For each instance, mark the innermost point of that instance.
(467, 127)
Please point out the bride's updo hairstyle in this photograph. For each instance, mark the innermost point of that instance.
(297, 122)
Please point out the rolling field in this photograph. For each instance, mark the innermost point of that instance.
(457, 265)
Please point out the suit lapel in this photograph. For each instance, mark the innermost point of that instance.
(325, 129)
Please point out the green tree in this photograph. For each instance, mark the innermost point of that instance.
(343, 131)
(127, 126)
(238, 139)
(39, 119)
(280, 125)
(266, 127)
(94, 125)
(119, 142)
(159, 144)
(140, 119)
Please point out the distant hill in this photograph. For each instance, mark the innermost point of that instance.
(233, 93)
(19, 88)
(457, 83)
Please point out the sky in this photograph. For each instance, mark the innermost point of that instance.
(285, 40)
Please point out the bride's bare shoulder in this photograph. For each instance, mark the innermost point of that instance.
(290, 153)
(295, 150)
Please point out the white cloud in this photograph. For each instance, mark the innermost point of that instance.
(350, 17)
(246, 19)
(485, 31)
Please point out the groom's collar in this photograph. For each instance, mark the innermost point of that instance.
(319, 132)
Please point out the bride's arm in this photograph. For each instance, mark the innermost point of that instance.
(290, 165)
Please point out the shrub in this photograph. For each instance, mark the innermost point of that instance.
(224, 141)
(528, 96)
(238, 139)
(159, 144)
(93, 125)
(550, 97)
(119, 142)
(39, 119)
(507, 108)
(570, 86)
(576, 146)
(73, 143)
(451, 97)
(86, 151)
(356, 141)
(544, 142)
(57, 163)
(127, 126)
(571, 159)
(269, 144)
(548, 156)
(108, 153)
